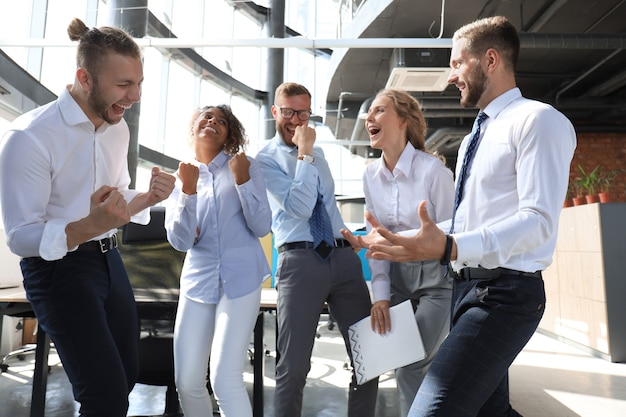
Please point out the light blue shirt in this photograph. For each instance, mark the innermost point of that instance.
(226, 257)
(292, 187)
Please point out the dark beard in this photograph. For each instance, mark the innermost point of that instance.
(97, 103)
(475, 88)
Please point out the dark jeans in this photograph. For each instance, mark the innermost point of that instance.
(85, 303)
(492, 320)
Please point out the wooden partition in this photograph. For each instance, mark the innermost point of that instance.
(586, 284)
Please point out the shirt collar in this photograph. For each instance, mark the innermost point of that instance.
(217, 162)
(72, 112)
(402, 166)
(280, 143)
(501, 102)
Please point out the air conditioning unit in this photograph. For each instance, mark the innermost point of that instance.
(419, 69)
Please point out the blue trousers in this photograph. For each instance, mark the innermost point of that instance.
(492, 320)
(85, 303)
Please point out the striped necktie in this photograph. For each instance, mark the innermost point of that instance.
(467, 159)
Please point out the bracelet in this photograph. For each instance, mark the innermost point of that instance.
(446, 255)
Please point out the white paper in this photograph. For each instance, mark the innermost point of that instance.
(374, 354)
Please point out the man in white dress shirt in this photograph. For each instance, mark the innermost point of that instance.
(64, 189)
(504, 232)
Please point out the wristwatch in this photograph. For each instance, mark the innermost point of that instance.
(307, 158)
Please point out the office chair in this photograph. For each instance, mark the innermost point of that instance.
(153, 265)
(154, 268)
(22, 351)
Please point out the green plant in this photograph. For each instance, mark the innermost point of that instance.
(576, 187)
(605, 178)
(590, 180)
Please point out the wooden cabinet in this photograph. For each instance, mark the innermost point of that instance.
(586, 283)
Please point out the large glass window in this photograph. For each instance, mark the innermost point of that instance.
(15, 24)
(172, 90)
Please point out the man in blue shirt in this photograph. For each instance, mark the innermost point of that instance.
(307, 275)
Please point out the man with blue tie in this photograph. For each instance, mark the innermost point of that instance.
(510, 189)
(315, 264)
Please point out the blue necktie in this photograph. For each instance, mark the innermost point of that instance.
(321, 229)
(467, 159)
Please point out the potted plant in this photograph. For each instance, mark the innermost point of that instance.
(605, 178)
(589, 181)
(568, 196)
(577, 189)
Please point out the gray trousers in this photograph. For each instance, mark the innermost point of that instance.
(305, 282)
(430, 293)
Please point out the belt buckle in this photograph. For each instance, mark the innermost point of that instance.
(108, 243)
(105, 245)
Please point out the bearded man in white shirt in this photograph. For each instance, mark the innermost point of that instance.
(64, 189)
(504, 232)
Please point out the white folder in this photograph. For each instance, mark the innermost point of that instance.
(374, 354)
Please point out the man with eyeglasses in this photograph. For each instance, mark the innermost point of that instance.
(308, 275)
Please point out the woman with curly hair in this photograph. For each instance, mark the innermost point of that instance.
(217, 213)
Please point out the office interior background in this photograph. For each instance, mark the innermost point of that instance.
(199, 52)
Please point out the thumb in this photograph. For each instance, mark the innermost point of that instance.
(422, 213)
(155, 171)
(372, 220)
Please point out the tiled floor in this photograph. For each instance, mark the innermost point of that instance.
(548, 379)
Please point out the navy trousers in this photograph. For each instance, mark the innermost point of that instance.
(85, 303)
(492, 320)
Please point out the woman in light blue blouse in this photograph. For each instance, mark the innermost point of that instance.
(217, 213)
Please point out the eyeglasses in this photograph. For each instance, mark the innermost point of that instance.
(288, 113)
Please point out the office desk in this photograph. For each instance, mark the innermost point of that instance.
(153, 304)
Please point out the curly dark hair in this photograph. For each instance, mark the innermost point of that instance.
(237, 138)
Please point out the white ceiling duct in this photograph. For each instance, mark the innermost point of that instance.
(419, 69)
(418, 79)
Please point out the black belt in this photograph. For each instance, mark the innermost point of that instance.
(102, 245)
(339, 243)
(482, 273)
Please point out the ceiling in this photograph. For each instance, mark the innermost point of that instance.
(572, 56)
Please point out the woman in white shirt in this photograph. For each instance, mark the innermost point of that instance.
(394, 185)
(217, 213)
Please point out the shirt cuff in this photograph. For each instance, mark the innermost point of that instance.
(469, 249)
(143, 217)
(53, 245)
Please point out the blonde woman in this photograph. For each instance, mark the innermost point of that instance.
(394, 185)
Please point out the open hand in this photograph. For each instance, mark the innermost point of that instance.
(428, 244)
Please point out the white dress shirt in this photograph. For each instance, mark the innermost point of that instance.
(393, 197)
(515, 187)
(51, 160)
(227, 256)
